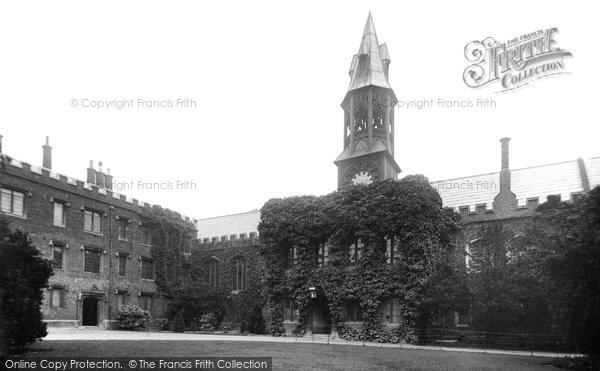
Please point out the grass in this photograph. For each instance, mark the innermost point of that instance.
(294, 356)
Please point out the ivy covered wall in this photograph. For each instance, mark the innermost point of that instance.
(291, 230)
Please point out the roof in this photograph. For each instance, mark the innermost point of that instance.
(227, 225)
(564, 179)
(367, 67)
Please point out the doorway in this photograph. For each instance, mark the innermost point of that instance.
(90, 312)
(321, 319)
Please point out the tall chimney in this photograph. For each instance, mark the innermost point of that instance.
(109, 179)
(100, 177)
(505, 201)
(504, 142)
(91, 173)
(47, 161)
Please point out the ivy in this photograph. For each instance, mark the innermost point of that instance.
(409, 210)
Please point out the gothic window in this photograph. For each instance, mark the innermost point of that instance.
(360, 114)
(378, 113)
(392, 250)
(122, 264)
(353, 312)
(213, 272)
(355, 252)
(147, 269)
(122, 224)
(57, 255)
(12, 202)
(238, 273)
(57, 297)
(92, 221)
(292, 257)
(91, 261)
(322, 255)
(290, 310)
(146, 301)
(59, 214)
(346, 124)
(391, 311)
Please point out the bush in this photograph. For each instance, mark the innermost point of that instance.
(23, 276)
(131, 317)
(178, 322)
(159, 324)
(208, 322)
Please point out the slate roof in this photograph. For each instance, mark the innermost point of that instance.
(226, 225)
(564, 179)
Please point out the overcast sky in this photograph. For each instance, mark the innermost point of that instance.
(268, 79)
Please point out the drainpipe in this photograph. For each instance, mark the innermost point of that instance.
(110, 254)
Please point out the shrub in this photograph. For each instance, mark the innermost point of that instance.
(23, 276)
(159, 324)
(131, 317)
(178, 322)
(208, 322)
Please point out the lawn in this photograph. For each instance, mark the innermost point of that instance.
(295, 356)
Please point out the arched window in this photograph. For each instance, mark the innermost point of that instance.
(239, 271)
(213, 272)
(355, 252)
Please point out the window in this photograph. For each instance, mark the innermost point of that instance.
(213, 272)
(121, 299)
(147, 269)
(123, 264)
(290, 310)
(57, 255)
(12, 202)
(57, 297)
(146, 236)
(91, 261)
(92, 222)
(237, 279)
(292, 257)
(353, 312)
(322, 255)
(146, 301)
(392, 250)
(60, 219)
(391, 311)
(122, 224)
(355, 252)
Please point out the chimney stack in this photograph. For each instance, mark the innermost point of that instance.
(47, 160)
(91, 173)
(504, 142)
(505, 201)
(109, 179)
(100, 177)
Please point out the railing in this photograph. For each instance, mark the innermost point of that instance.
(445, 338)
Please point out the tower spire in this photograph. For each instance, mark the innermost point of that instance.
(368, 67)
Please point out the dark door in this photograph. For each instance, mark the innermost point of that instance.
(320, 315)
(90, 312)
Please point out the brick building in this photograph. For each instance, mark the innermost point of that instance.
(95, 237)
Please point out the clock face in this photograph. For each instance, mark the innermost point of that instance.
(362, 177)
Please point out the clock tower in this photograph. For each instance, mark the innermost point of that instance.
(368, 116)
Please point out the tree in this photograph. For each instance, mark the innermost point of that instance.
(569, 233)
(23, 276)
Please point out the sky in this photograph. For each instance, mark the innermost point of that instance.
(251, 92)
